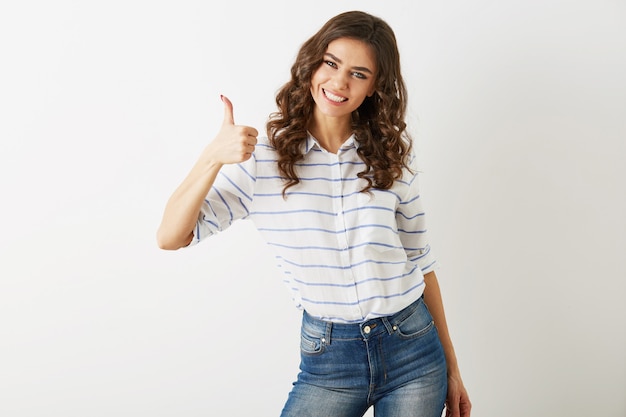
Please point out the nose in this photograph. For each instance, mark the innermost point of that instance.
(340, 80)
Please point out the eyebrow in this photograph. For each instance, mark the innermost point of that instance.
(363, 69)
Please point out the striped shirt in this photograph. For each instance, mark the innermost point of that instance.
(345, 255)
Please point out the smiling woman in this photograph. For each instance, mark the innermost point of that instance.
(338, 87)
(334, 191)
(377, 118)
(517, 113)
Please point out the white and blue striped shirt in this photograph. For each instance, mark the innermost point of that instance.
(346, 256)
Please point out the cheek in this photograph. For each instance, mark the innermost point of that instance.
(315, 77)
(320, 75)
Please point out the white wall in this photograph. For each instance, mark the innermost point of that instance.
(518, 110)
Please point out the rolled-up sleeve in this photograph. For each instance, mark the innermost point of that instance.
(412, 230)
(228, 200)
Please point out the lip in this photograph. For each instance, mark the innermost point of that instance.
(325, 92)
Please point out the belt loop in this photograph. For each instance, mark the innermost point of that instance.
(388, 325)
(329, 329)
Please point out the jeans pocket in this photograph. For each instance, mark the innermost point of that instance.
(310, 342)
(417, 324)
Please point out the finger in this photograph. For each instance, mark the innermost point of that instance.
(465, 408)
(229, 119)
(452, 410)
(250, 131)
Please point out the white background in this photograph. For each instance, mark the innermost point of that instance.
(518, 109)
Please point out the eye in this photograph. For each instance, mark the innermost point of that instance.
(359, 75)
(330, 64)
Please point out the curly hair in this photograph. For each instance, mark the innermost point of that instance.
(378, 123)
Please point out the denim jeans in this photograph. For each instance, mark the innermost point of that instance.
(395, 364)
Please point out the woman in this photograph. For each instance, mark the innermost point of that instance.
(333, 190)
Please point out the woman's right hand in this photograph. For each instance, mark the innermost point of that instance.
(233, 143)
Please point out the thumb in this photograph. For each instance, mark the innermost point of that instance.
(228, 111)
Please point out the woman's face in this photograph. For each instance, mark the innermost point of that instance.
(346, 76)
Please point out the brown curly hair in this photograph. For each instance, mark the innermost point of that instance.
(378, 124)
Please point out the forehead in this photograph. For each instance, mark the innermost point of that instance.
(353, 52)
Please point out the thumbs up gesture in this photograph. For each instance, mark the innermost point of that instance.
(233, 143)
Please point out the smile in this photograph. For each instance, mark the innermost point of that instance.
(333, 97)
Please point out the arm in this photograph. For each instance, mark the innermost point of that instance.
(233, 144)
(457, 402)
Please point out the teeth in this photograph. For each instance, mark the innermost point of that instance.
(334, 98)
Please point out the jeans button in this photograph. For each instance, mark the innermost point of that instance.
(366, 329)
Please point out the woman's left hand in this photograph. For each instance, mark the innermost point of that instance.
(457, 402)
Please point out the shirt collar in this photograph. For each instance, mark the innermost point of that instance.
(312, 143)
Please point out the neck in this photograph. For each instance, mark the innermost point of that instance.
(331, 132)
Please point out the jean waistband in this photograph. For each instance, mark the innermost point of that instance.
(366, 329)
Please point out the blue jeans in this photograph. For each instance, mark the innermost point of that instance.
(395, 364)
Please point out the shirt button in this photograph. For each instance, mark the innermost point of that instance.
(366, 329)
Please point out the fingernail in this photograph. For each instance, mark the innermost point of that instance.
(222, 97)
